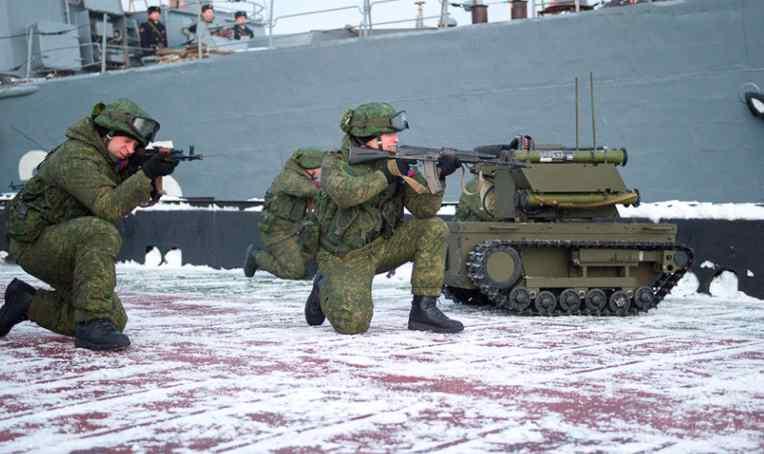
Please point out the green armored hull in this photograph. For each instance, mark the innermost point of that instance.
(556, 268)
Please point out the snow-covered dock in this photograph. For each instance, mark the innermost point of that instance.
(222, 363)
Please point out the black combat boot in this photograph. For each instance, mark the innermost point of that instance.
(99, 334)
(250, 264)
(313, 313)
(425, 316)
(18, 298)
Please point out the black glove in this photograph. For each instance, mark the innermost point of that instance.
(403, 167)
(159, 166)
(448, 164)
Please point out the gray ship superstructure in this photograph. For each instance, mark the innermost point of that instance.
(670, 79)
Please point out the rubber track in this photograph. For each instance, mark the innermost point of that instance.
(661, 286)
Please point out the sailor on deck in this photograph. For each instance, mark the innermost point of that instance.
(208, 27)
(240, 30)
(153, 33)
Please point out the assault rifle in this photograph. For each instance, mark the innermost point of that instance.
(163, 148)
(499, 156)
(169, 152)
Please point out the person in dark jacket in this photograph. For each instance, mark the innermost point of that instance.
(153, 33)
(240, 30)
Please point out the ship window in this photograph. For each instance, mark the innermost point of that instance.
(171, 187)
(755, 103)
(29, 162)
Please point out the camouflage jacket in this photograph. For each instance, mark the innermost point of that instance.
(470, 208)
(357, 205)
(78, 178)
(289, 201)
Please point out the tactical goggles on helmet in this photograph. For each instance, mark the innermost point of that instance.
(399, 122)
(143, 128)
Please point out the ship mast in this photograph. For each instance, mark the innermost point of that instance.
(443, 22)
(419, 13)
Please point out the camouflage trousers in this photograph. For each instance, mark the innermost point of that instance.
(77, 259)
(284, 255)
(345, 289)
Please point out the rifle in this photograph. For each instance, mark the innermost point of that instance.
(177, 154)
(498, 156)
(135, 162)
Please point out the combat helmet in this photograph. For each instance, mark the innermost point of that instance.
(373, 119)
(308, 158)
(124, 116)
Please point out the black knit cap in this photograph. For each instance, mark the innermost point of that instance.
(240, 14)
(154, 9)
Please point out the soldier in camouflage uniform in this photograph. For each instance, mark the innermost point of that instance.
(472, 207)
(63, 226)
(363, 233)
(288, 229)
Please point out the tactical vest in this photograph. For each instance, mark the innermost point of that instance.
(347, 229)
(42, 203)
(282, 207)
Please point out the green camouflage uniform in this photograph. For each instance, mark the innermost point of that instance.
(288, 230)
(363, 233)
(62, 230)
(470, 208)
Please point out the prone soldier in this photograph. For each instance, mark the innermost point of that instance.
(62, 226)
(363, 233)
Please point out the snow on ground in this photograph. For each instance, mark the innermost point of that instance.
(677, 209)
(655, 211)
(224, 363)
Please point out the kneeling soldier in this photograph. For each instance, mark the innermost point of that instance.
(63, 226)
(288, 229)
(360, 212)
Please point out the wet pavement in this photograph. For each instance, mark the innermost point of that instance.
(223, 363)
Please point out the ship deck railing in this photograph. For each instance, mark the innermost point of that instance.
(133, 53)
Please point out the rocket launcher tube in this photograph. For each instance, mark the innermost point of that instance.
(615, 156)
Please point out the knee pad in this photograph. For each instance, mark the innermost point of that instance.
(350, 326)
(345, 316)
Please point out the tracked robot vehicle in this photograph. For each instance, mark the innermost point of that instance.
(550, 240)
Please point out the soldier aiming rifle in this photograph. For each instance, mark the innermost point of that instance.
(62, 226)
(363, 233)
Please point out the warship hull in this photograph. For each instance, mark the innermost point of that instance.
(669, 78)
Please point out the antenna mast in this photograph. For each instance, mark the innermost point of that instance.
(594, 124)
